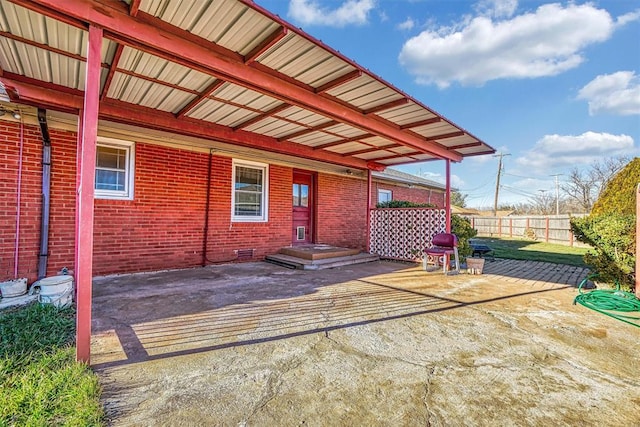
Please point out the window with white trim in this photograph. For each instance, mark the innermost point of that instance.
(384, 196)
(250, 189)
(114, 169)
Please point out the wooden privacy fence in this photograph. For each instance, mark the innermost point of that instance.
(547, 228)
(404, 233)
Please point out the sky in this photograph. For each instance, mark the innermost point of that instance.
(553, 86)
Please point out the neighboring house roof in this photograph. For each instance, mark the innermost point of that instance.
(394, 175)
(464, 211)
(228, 71)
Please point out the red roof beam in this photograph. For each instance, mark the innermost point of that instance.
(386, 106)
(121, 112)
(339, 81)
(396, 156)
(260, 117)
(471, 144)
(307, 131)
(371, 150)
(180, 44)
(421, 123)
(112, 71)
(134, 7)
(344, 141)
(265, 45)
(201, 96)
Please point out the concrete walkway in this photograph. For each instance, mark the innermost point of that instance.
(382, 343)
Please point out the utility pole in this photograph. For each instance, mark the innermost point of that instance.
(557, 194)
(495, 200)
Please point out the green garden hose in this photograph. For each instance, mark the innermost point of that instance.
(610, 302)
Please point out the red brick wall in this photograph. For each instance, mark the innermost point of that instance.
(416, 195)
(342, 211)
(163, 227)
(31, 184)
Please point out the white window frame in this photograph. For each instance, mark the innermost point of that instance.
(389, 192)
(129, 147)
(264, 217)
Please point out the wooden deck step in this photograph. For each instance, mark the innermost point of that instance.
(319, 264)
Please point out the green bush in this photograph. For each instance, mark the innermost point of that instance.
(620, 193)
(461, 227)
(610, 229)
(403, 204)
(612, 237)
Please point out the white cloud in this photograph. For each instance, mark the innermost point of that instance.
(497, 8)
(407, 25)
(617, 93)
(310, 12)
(553, 152)
(545, 42)
(628, 17)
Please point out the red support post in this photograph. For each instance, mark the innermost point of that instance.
(84, 198)
(369, 189)
(447, 203)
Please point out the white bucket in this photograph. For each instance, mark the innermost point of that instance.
(56, 290)
(13, 288)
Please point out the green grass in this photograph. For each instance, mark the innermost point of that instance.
(532, 250)
(41, 384)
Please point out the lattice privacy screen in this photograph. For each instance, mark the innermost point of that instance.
(404, 233)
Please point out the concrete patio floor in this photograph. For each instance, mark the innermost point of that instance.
(381, 343)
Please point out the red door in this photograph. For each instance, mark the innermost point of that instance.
(302, 208)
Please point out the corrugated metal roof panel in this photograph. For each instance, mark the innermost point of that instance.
(302, 116)
(375, 155)
(221, 113)
(435, 129)
(348, 147)
(274, 127)
(329, 70)
(315, 138)
(402, 150)
(345, 131)
(458, 140)
(239, 26)
(405, 114)
(247, 97)
(286, 51)
(142, 92)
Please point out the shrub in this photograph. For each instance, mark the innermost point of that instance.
(612, 237)
(404, 204)
(620, 193)
(610, 229)
(461, 227)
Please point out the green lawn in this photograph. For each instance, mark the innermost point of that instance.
(534, 250)
(41, 384)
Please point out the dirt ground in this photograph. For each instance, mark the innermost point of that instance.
(378, 344)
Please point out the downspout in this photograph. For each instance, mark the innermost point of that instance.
(46, 194)
(205, 240)
(447, 195)
(18, 202)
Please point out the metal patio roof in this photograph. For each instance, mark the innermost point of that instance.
(226, 71)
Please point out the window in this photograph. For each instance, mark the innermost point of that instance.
(114, 169)
(250, 186)
(301, 195)
(384, 196)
